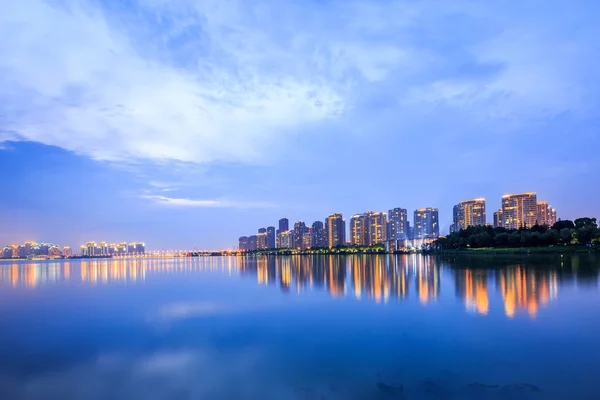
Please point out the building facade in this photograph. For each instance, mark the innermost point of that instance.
(252, 243)
(469, 213)
(286, 240)
(498, 223)
(376, 227)
(358, 230)
(426, 221)
(319, 234)
(336, 230)
(398, 224)
(519, 210)
(271, 242)
(546, 215)
(298, 234)
(243, 243)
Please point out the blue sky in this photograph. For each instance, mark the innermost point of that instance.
(188, 123)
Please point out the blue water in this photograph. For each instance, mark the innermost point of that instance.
(301, 327)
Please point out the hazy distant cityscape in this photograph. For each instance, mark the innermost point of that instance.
(394, 230)
(91, 249)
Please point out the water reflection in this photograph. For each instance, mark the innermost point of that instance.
(523, 287)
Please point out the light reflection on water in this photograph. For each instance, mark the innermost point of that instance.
(301, 327)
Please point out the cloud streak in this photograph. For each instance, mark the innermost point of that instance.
(201, 203)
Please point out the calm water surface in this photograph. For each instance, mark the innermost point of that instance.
(310, 327)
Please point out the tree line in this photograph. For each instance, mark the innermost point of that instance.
(582, 231)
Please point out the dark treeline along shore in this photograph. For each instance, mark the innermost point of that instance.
(562, 236)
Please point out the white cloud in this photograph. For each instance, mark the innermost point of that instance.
(219, 203)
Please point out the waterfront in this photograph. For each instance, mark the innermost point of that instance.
(301, 327)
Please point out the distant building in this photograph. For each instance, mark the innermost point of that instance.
(286, 240)
(298, 234)
(469, 213)
(284, 225)
(519, 210)
(261, 243)
(67, 252)
(376, 227)
(546, 215)
(498, 219)
(336, 230)
(426, 224)
(307, 239)
(243, 243)
(398, 223)
(319, 234)
(358, 230)
(252, 243)
(271, 243)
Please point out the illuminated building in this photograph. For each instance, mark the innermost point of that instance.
(67, 252)
(358, 230)
(261, 241)
(498, 219)
(336, 230)
(286, 240)
(271, 237)
(252, 243)
(11, 251)
(469, 213)
(519, 210)
(298, 234)
(307, 239)
(243, 243)
(426, 224)
(376, 227)
(546, 215)
(319, 234)
(284, 225)
(398, 224)
(91, 249)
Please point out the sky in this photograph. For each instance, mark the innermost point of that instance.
(189, 123)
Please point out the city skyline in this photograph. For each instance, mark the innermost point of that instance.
(272, 115)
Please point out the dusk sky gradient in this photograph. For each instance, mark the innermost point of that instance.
(188, 123)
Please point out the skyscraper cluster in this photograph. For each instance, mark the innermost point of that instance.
(93, 249)
(32, 249)
(516, 211)
(367, 229)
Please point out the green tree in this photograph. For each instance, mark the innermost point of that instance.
(564, 224)
(585, 222)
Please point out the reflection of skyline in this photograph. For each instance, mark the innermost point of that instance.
(378, 278)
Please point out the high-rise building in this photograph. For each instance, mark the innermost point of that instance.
(546, 215)
(67, 252)
(358, 230)
(243, 243)
(469, 213)
(307, 239)
(284, 225)
(252, 243)
(426, 223)
(286, 240)
(376, 227)
(397, 222)
(319, 234)
(271, 237)
(336, 230)
(519, 210)
(498, 219)
(297, 236)
(261, 241)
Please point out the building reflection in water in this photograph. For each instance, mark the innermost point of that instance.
(379, 278)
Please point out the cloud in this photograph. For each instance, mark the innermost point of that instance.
(221, 203)
(233, 81)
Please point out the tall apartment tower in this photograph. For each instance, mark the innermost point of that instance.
(469, 213)
(319, 234)
(243, 243)
(519, 210)
(398, 224)
(271, 237)
(284, 225)
(358, 230)
(376, 227)
(426, 222)
(298, 234)
(546, 215)
(336, 230)
(498, 219)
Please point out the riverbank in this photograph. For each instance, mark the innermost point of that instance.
(572, 249)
